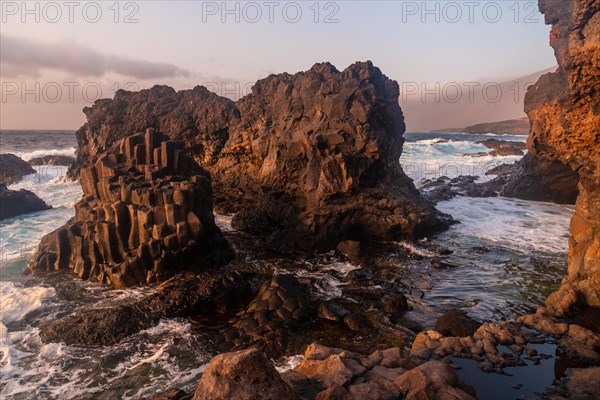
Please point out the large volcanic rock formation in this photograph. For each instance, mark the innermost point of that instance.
(306, 160)
(564, 108)
(146, 214)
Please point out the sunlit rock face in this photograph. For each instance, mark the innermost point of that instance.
(305, 161)
(564, 108)
(146, 214)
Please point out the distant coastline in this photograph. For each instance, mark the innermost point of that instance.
(519, 126)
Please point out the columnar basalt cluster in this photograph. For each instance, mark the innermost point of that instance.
(146, 214)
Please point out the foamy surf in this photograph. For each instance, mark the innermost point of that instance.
(448, 155)
(163, 356)
(517, 224)
(29, 155)
(17, 301)
(20, 235)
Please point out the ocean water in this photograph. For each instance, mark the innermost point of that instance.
(509, 254)
(433, 155)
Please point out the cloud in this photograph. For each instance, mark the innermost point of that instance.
(25, 57)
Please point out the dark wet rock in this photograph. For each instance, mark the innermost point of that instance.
(13, 169)
(444, 188)
(305, 160)
(358, 322)
(18, 202)
(351, 249)
(502, 169)
(332, 311)
(334, 392)
(456, 323)
(504, 147)
(360, 276)
(537, 179)
(273, 319)
(243, 375)
(437, 263)
(146, 214)
(395, 304)
(171, 394)
(52, 160)
(213, 295)
(445, 252)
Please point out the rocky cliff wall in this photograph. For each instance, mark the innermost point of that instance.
(564, 108)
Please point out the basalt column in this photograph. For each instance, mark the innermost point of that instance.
(146, 214)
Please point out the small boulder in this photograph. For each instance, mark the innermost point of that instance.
(456, 323)
(395, 304)
(433, 380)
(334, 392)
(242, 375)
(335, 369)
(351, 249)
(332, 311)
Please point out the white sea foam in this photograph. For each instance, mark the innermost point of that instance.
(518, 224)
(69, 151)
(20, 235)
(132, 369)
(417, 250)
(436, 157)
(17, 301)
(329, 279)
(224, 222)
(288, 363)
(50, 184)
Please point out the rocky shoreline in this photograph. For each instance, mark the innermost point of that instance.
(308, 166)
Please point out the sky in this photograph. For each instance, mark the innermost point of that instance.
(58, 57)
